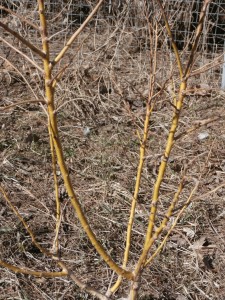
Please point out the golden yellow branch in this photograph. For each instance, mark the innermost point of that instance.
(150, 242)
(197, 37)
(176, 52)
(150, 238)
(173, 225)
(75, 35)
(53, 129)
(164, 161)
(32, 272)
(57, 200)
(143, 141)
(135, 196)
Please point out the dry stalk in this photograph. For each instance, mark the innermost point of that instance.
(24, 20)
(55, 247)
(23, 40)
(199, 124)
(150, 235)
(22, 54)
(25, 80)
(54, 135)
(4, 108)
(44, 251)
(142, 151)
(162, 244)
(218, 61)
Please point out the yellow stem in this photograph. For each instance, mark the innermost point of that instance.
(135, 196)
(32, 272)
(75, 35)
(176, 52)
(172, 227)
(163, 164)
(53, 128)
(58, 211)
(65, 270)
(197, 37)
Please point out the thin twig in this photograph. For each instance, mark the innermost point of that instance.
(65, 270)
(216, 62)
(198, 125)
(18, 71)
(22, 54)
(174, 224)
(197, 38)
(85, 287)
(60, 73)
(19, 17)
(75, 35)
(3, 108)
(23, 40)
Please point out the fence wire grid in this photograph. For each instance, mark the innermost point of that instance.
(125, 23)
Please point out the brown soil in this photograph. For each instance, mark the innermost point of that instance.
(100, 108)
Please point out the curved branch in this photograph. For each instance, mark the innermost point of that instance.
(65, 270)
(32, 272)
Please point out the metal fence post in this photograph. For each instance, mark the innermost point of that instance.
(223, 69)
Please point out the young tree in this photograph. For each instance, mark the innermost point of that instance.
(158, 24)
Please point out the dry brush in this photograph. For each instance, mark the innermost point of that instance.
(51, 80)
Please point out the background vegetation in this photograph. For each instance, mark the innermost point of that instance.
(112, 83)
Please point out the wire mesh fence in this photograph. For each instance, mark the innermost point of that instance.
(124, 24)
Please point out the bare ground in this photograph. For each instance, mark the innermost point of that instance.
(100, 108)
